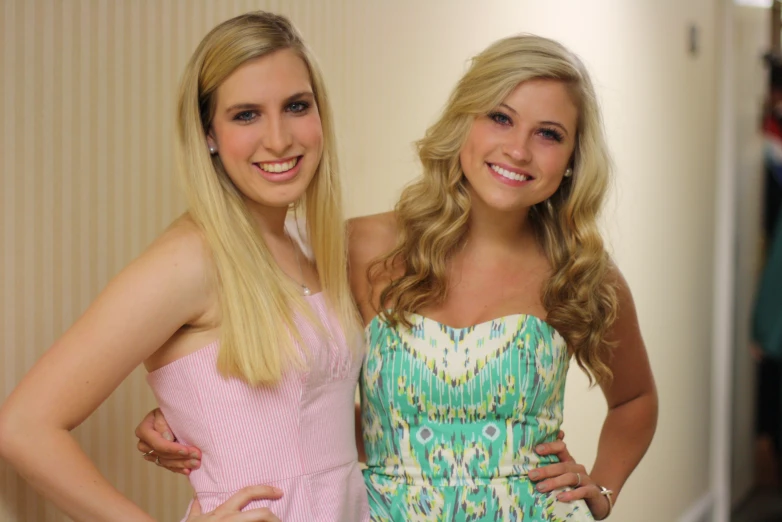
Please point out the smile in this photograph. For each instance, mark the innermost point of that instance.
(277, 167)
(508, 174)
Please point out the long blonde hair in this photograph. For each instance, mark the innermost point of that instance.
(257, 302)
(433, 213)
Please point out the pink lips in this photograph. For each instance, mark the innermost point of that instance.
(508, 181)
(279, 177)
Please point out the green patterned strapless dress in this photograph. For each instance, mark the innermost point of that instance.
(451, 417)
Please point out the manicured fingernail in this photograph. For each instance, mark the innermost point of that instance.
(277, 490)
(534, 475)
(182, 452)
(194, 463)
(541, 487)
(167, 435)
(540, 448)
(194, 455)
(561, 497)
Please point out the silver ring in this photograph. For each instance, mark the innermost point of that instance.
(147, 454)
(157, 460)
(578, 477)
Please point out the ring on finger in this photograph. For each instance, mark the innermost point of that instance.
(147, 454)
(578, 480)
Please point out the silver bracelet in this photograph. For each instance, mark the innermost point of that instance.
(607, 494)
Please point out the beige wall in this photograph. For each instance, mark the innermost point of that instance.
(87, 93)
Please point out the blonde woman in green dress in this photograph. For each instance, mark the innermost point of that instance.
(491, 276)
(478, 290)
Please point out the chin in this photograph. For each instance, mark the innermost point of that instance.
(270, 199)
(503, 205)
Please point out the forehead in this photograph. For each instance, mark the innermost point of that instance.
(266, 79)
(544, 100)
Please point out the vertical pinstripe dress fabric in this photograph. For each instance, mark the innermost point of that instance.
(297, 436)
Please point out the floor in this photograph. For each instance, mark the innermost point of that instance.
(765, 504)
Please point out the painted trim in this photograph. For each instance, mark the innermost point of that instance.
(724, 279)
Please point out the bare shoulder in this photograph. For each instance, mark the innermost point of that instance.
(185, 246)
(623, 294)
(370, 237)
(181, 255)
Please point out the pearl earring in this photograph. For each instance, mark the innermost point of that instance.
(568, 172)
(212, 150)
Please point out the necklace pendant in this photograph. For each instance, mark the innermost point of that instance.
(305, 290)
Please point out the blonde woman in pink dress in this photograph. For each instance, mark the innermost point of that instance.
(251, 343)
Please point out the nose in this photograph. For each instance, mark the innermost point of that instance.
(517, 148)
(277, 137)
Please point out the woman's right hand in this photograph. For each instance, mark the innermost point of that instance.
(231, 510)
(157, 443)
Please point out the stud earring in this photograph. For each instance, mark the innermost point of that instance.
(568, 172)
(212, 150)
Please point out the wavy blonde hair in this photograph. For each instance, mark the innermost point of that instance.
(433, 213)
(257, 301)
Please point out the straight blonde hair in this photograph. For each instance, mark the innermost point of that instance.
(257, 301)
(433, 213)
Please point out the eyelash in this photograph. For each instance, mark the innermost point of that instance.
(304, 106)
(295, 108)
(548, 133)
(551, 134)
(239, 116)
(496, 116)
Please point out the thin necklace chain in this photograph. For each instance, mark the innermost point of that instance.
(304, 288)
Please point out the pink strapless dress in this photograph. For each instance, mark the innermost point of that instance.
(297, 436)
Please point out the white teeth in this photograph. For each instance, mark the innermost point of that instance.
(278, 167)
(508, 174)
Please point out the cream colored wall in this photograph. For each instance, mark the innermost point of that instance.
(87, 93)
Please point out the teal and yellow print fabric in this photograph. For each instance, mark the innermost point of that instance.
(451, 417)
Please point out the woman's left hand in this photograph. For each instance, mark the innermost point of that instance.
(568, 473)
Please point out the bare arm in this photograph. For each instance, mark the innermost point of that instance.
(632, 400)
(362, 454)
(132, 318)
(629, 424)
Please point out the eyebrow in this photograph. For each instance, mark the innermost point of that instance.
(552, 123)
(256, 106)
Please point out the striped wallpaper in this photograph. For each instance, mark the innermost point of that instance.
(87, 109)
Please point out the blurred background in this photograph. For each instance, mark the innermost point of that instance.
(87, 95)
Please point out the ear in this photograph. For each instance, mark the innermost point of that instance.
(210, 141)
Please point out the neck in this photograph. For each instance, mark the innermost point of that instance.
(497, 230)
(270, 221)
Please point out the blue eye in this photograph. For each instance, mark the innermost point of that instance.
(551, 134)
(501, 118)
(298, 107)
(245, 116)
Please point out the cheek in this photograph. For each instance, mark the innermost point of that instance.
(553, 159)
(470, 151)
(237, 142)
(554, 164)
(464, 158)
(309, 132)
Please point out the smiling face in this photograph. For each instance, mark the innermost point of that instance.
(267, 130)
(516, 155)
